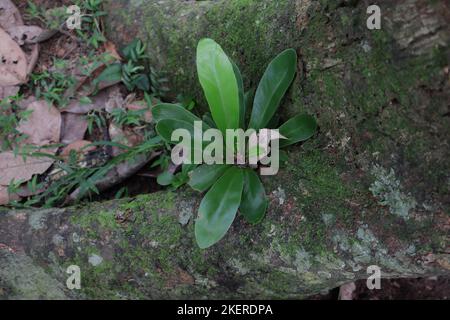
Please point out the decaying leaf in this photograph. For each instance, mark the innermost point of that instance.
(15, 168)
(123, 136)
(9, 15)
(98, 102)
(13, 62)
(25, 34)
(346, 291)
(32, 57)
(115, 99)
(43, 126)
(8, 91)
(110, 48)
(140, 105)
(6, 197)
(73, 127)
(80, 147)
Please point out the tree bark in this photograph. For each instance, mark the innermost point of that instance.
(144, 249)
(371, 188)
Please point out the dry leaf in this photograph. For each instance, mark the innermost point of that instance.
(346, 291)
(80, 147)
(6, 197)
(98, 103)
(43, 126)
(73, 127)
(9, 15)
(111, 49)
(8, 91)
(16, 168)
(25, 34)
(123, 136)
(13, 63)
(32, 57)
(115, 99)
(108, 99)
(139, 105)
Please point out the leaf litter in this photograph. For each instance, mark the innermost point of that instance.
(53, 135)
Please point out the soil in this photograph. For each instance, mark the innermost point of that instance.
(435, 288)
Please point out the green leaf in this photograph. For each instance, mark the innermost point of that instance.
(297, 129)
(242, 106)
(217, 78)
(165, 178)
(254, 200)
(272, 88)
(142, 82)
(205, 175)
(112, 74)
(165, 128)
(218, 208)
(165, 111)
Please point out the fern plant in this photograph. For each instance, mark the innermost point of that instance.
(231, 188)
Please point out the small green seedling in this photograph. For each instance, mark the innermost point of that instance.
(233, 188)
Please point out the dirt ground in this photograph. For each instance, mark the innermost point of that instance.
(436, 288)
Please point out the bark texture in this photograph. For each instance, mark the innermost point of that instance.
(372, 188)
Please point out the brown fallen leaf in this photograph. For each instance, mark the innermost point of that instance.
(43, 126)
(73, 127)
(111, 49)
(80, 147)
(6, 197)
(123, 136)
(25, 34)
(346, 291)
(9, 15)
(13, 63)
(140, 105)
(15, 168)
(109, 99)
(8, 91)
(32, 54)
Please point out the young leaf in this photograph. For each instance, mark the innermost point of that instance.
(165, 178)
(173, 111)
(204, 176)
(142, 82)
(218, 80)
(254, 200)
(299, 128)
(240, 82)
(218, 208)
(272, 88)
